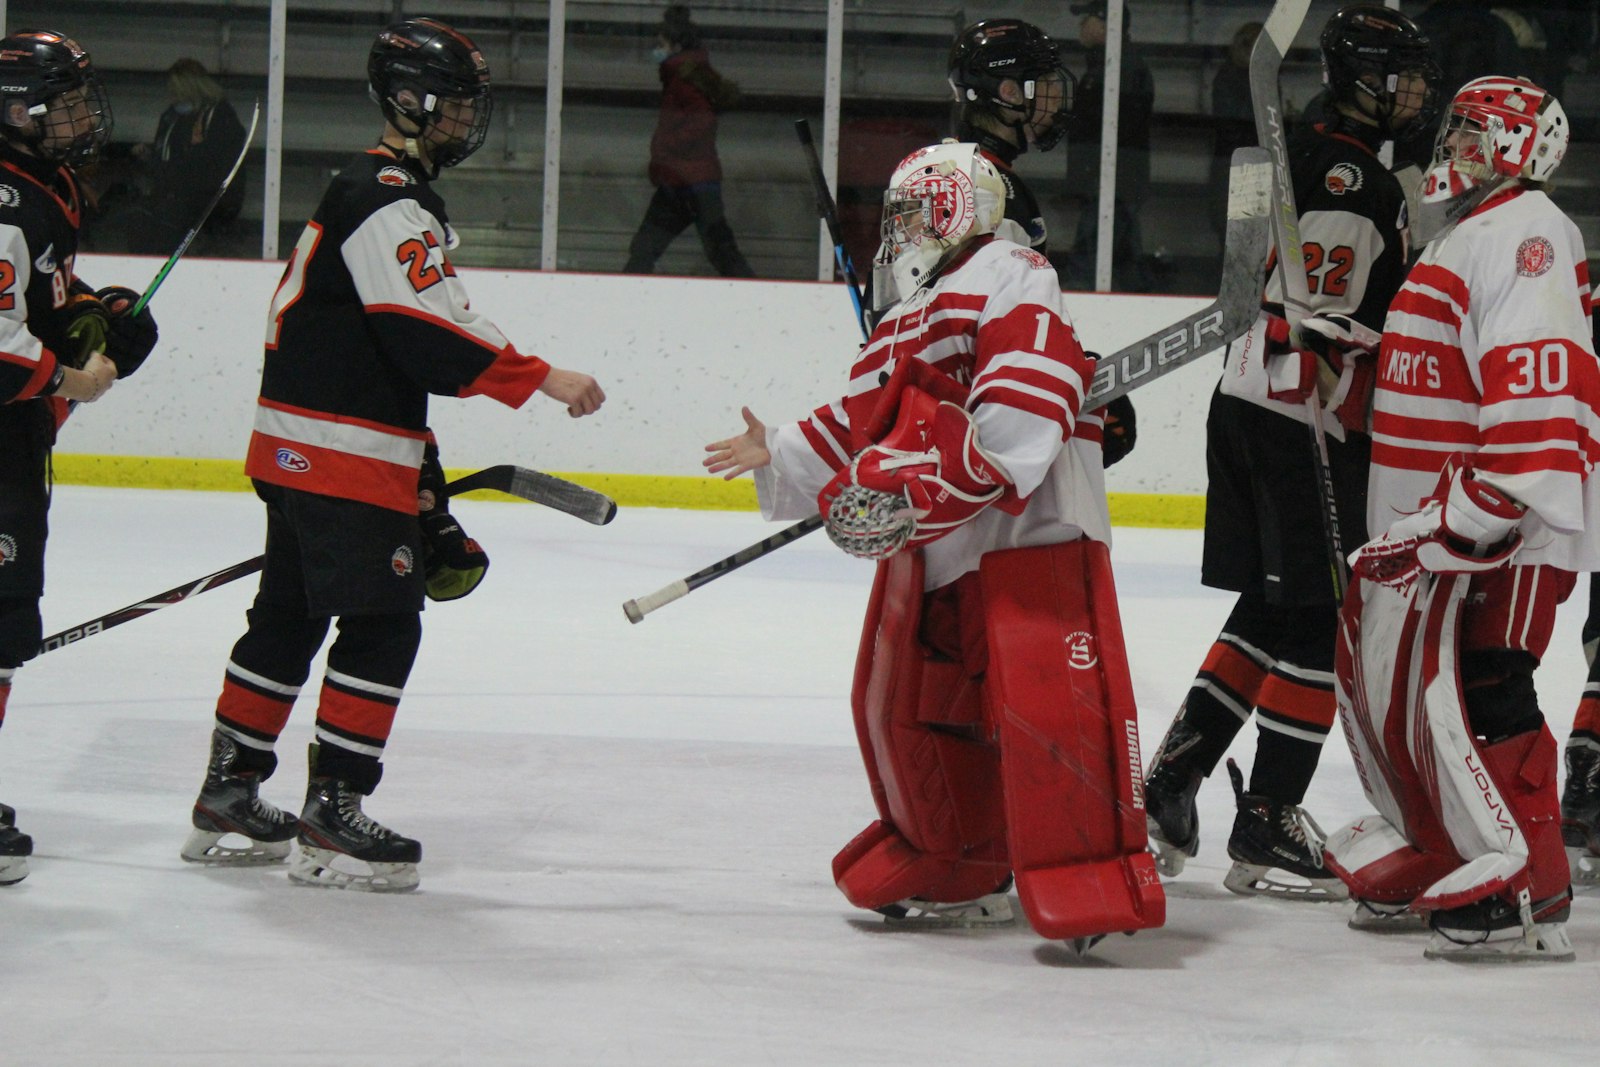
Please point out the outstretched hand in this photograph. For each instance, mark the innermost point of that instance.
(581, 393)
(736, 455)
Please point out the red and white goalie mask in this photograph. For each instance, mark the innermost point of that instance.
(939, 198)
(1498, 128)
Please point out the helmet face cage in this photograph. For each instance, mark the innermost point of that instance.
(1500, 128)
(435, 66)
(938, 197)
(989, 53)
(1366, 50)
(52, 76)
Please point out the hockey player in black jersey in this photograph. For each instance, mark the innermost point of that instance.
(1263, 535)
(58, 344)
(1013, 94)
(369, 319)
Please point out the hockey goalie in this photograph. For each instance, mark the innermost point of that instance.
(992, 700)
(1486, 428)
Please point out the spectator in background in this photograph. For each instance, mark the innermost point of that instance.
(683, 154)
(1130, 269)
(1234, 123)
(197, 139)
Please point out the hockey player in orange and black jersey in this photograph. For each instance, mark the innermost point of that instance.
(1014, 94)
(1264, 533)
(369, 319)
(57, 342)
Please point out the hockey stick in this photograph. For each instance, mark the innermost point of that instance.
(540, 488)
(830, 216)
(1265, 99)
(188, 238)
(1220, 323)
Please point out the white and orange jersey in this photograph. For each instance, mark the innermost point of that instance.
(993, 322)
(368, 320)
(1487, 351)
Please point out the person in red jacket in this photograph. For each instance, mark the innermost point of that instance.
(683, 154)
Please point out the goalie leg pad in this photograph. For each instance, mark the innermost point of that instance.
(1062, 699)
(940, 835)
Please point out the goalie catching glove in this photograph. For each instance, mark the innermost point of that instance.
(452, 563)
(928, 476)
(1465, 527)
(1338, 363)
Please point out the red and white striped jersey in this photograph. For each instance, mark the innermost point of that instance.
(369, 320)
(1487, 351)
(993, 321)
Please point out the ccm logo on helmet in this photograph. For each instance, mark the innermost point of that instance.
(292, 461)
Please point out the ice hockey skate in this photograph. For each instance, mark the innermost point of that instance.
(15, 848)
(1171, 817)
(1277, 851)
(230, 811)
(1497, 931)
(913, 913)
(1371, 917)
(343, 848)
(1580, 815)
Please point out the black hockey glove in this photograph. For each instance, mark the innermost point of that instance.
(1122, 429)
(452, 563)
(87, 321)
(129, 338)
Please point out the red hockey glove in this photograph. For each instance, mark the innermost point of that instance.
(1349, 350)
(927, 477)
(129, 337)
(1465, 527)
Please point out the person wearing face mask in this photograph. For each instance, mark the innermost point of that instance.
(197, 139)
(684, 166)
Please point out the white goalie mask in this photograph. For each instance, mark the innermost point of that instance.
(1498, 128)
(939, 198)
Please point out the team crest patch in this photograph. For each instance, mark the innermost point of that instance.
(1343, 178)
(396, 176)
(292, 461)
(1081, 652)
(46, 263)
(9, 197)
(8, 549)
(1031, 258)
(403, 562)
(1535, 257)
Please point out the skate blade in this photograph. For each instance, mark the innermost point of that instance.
(1080, 946)
(327, 869)
(1585, 866)
(1253, 880)
(1169, 858)
(13, 869)
(1546, 943)
(1375, 922)
(206, 847)
(991, 912)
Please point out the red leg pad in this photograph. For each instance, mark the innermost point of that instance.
(1062, 699)
(934, 773)
(1524, 768)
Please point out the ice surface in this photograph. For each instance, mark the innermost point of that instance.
(627, 833)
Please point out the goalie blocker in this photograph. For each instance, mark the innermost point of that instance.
(1013, 749)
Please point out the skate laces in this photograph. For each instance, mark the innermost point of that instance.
(350, 808)
(1303, 829)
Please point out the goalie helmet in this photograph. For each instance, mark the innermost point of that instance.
(1498, 128)
(414, 70)
(939, 198)
(989, 53)
(1366, 50)
(52, 99)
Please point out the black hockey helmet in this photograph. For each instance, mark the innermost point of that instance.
(416, 65)
(37, 69)
(988, 53)
(1365, 49)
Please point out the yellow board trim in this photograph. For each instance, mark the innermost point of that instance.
(1161, 510)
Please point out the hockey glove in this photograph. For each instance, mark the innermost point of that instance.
(86, 327)
(1467, 526)
(926, 478)
(452, 563)
(129, 337)
(1121, 430)
(1336, 363)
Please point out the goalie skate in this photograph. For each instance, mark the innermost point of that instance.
(1497, 931)
(1277, 851)
(1171, 816)
(1580, 815)
(233, 826)
(993, 910)
(343, 848)
(1372, 917)
(15, 848)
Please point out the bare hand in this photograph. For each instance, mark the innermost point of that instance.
(91, 383)
(581, 393)
(747, 452)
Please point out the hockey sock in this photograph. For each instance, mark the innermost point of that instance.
(359, 770)
(1219, 702)
(1586, 724)
(1294, 711)
(367, 670)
